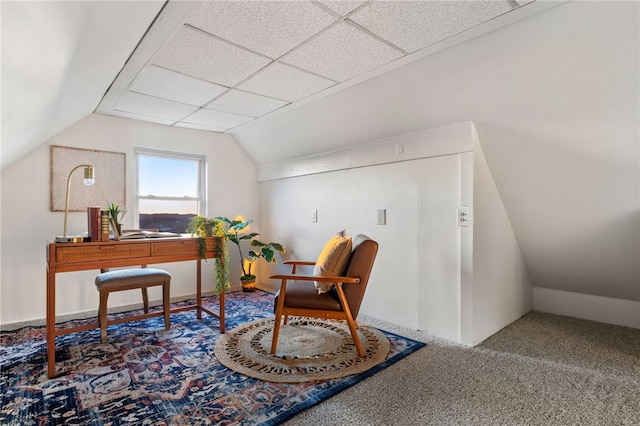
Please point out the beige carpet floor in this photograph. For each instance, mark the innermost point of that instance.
(541, 370)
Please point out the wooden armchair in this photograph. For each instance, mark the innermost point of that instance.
(298, 295)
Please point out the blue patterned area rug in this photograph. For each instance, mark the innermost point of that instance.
(145, 375)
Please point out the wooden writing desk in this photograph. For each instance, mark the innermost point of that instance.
(69, 257)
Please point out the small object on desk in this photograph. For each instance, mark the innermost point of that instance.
(74, 239)
(115, 227)
(104, 225)
(93, 223)
(143, 233)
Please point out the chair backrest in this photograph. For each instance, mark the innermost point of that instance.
(360, 264)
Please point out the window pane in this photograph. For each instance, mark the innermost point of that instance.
(168, 176)
(167, 215)
(169, 190)
(168, 206)
(166, 222)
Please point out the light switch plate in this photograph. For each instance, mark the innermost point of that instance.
(314, 216)
(382, 216)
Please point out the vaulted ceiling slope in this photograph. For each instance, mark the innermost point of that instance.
(58, 60)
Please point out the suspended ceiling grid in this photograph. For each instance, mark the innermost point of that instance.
(226, 63)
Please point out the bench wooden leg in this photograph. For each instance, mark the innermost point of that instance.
(165, 302)
(102, 315)
(102, 308)
(145, 300)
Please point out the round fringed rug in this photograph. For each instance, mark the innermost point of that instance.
(309, 349)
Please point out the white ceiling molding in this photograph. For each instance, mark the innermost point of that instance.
(447, 140)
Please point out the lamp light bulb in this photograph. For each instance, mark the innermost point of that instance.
(89, 176)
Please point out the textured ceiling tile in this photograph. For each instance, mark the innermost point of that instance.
(285, 82)
(154, 107)
(413, 25)
(239, 102)
(523, 2)
(342, 7)
(162, 83)
(268, 27)
(220, 119)
(342, 52)
(195, 53)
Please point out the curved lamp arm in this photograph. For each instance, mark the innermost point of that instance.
(89, 179)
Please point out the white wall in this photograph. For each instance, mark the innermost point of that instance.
(502, 292)
(417, 256)
(459, 283)
(416, 178)
(27, 223)
(594, 308)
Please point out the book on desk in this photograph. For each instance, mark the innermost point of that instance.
(140, 233)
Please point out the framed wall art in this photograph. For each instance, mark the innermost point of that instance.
(110, 178)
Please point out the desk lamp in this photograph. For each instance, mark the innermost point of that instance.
(89, 179)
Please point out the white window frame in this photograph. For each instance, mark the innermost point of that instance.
(201, 199)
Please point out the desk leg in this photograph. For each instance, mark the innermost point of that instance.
(222, 311)
(199, 289)
(51, 322)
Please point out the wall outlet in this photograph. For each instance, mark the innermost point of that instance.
(314, 216)
(464, 216)
(382, 216)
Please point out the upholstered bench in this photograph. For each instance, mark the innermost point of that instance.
(128, 279)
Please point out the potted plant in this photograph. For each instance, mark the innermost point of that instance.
(115, 216)
(236, 232)
(202, 227)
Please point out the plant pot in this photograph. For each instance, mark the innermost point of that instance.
(248, 285)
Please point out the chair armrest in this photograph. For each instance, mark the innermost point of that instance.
(299, 262)
(321, 278)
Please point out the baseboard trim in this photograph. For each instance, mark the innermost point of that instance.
(585, 306)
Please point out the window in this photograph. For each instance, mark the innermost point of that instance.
(170, 189)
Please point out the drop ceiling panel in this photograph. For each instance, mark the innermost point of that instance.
(269, 27)
(163, 83)
(241, 60)
(201, 55)
(137, 103)
(413, 25)
(143, 117)
(342, 52)
(342, 8)
(244, 103)
(284, 82)
(220, 119)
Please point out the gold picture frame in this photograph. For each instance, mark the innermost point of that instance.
(110, 178)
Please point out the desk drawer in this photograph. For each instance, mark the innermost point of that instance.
(106, 252)
(164, 248)
(178, 247)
